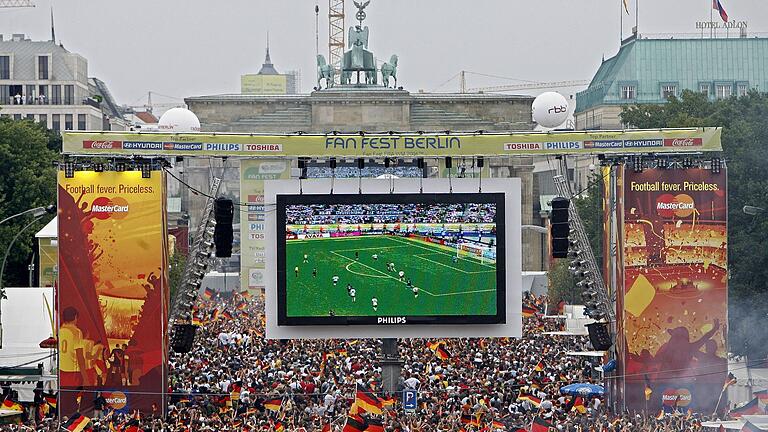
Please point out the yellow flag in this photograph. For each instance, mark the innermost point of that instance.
(626, 6)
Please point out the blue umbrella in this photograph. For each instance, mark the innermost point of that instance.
(583, 389)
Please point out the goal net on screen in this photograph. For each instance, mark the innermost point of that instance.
(477, 252)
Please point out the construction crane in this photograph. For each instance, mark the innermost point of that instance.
(336, 34)
(16, 3)
(528, 86)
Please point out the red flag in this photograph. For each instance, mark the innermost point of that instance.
(540, 425)
(716, 5)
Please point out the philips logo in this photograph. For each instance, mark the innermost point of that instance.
(390, 320)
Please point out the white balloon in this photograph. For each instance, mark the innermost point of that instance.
(550, 109)
(178, 120)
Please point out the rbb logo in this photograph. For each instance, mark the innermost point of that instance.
(669, 205)
(557, 109)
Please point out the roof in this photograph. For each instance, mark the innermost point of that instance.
(25, 53)
(648, 64)
(146, 116)
(268, 68)
(50, 230)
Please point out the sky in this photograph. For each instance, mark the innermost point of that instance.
(181, 48)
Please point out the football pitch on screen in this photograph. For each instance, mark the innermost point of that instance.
(447, 285)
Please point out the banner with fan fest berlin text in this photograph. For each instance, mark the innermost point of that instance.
(674, 302)
(112, 291)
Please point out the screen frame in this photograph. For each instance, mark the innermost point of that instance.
(497, 198)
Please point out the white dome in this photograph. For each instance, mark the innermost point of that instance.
(178, 120)
(550, 109)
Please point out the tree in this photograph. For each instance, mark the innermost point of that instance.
(745, 145)
(27, 154)
(177, 263)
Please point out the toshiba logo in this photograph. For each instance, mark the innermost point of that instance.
(102, 144)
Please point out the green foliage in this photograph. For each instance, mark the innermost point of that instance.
(562, 284)
(176, 263)
(28, 180)
(745, 146)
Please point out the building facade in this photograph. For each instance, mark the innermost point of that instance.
(268, 81)
(44, 82)
(648, 71)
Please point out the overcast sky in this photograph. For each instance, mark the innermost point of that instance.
(192, 47)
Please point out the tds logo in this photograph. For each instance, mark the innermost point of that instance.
(669, 205)
(557, 109)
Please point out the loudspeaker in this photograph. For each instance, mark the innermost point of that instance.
(448, 162)
(223, 212)
(600, 336)
(559, 228)
(183, 337)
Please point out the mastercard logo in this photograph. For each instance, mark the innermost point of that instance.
(669, 205)
(105, 208)
(116, 400)
(676, 397)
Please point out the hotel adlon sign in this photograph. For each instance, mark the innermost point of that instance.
(721, 25)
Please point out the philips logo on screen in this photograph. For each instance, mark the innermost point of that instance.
(391, 320)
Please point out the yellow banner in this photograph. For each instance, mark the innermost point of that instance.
(395, 144)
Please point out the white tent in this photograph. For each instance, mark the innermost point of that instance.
(26, 321)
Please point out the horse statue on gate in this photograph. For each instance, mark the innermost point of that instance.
(324, 70)
(389, 69)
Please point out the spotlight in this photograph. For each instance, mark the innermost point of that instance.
(69, 169)
(716, 165)
(98, 167)
(332, 163)
(120, 166)
(578, 263)
(637, 164)
(146, 170)
(386, 162)
(420, 163)
(480, 162)
(448, 162)
(360, 163)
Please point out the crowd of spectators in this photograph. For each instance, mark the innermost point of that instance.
(324, 214)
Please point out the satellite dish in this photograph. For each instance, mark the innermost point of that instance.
(550, 109)
(178, 120)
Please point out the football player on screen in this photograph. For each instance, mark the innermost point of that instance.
(352, 294)
(375, 303)
(335, 280)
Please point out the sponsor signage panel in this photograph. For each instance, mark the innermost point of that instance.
(112, 290)
(520, 143)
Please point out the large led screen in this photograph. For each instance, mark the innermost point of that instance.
(391, 259)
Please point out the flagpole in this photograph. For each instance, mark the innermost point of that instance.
(718, 400)
(711, 25)
(621, 23)
(637, 18)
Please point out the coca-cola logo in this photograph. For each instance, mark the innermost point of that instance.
(103, 144)
(682, 142)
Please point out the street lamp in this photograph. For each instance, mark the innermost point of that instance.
(36, 212)
(752, 210)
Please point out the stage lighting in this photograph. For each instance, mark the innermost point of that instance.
(146, 169)
(360, 163)
(716, 165)
(386, 162)
(119, 166)
(69, 169)
(637, 164)
(98, 167)
(480, 162)
(332, 163)
(448, 162)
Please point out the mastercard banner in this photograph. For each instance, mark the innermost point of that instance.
(673, 307)
(112, 291)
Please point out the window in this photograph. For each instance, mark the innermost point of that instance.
(742, 89)
(668, 90)
(42, 67)
(628, 92)
(31, 117)
(69, 94)
(5, 94)
(30, 95)
(55, 95)
(5, 67)
(43, 118)
(56, 120)
(42, 94)
(704, 89)
(723, 91)
(17, 116)
(81, 122)
(67, 121)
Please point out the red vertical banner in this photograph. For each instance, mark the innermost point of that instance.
(112, 291)
(675, 301)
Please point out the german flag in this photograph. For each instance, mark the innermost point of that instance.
(529, 311)
(660, 415)
(750, 408)
(467, 419)
(578, 405)
(563, 377)
(375, 425)
(497, 425)
(648, 390)
(245, 294)
(12, 405)
(76, 423)
(208, 293)
(435, 344)
(273, 404)
(244, 314)
(343, 352)
(535, 385)
(442, 353)
(215, 315)
(279, 427)
(540, 425)
(530, 398)
(367, 401)
(50, 399)
(241, 306)
(539, 366)
(196, 321)
(227, 315)
(355, 424)
(730, 380)
(387, 402)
